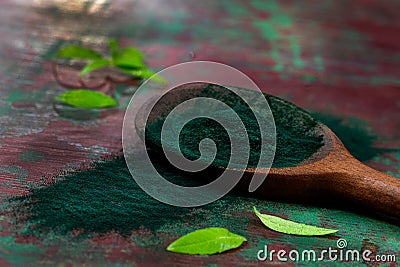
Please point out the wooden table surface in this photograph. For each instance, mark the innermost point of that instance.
(339, 59)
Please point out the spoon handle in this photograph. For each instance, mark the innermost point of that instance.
(370, 189)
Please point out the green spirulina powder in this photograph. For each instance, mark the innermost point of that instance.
(297, 135)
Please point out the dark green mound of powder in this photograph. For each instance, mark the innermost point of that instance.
(297, 136)
(103, 199)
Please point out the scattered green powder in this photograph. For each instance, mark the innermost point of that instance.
(16, 253)
(354, 134)
(297, 136)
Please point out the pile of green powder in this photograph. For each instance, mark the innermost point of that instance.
(297, 137)
(102, 199)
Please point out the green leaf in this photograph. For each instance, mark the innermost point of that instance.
(290, 227)
(114, 48)
(94, 65)
(206, 241)
(78, 52)
(129, 57)
(87, 99)
(143, 73)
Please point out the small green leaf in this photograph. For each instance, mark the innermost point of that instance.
(114, 48)
(144, 73)
(94, 65)
(87, 99)
(129, 57)
(206, 241)
(289, 227)
(78, 52)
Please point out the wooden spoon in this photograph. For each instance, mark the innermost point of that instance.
(331, 176)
